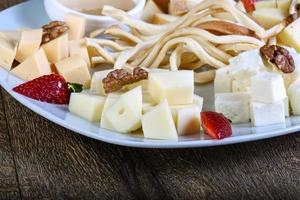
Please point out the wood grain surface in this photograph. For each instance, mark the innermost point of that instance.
(40, 160)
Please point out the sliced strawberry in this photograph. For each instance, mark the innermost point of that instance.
(216, 125)
(49, 88)
(249, 5)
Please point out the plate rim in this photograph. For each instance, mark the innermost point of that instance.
(160, 144)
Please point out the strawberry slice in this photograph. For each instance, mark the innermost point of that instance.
(216, 125)
(51, 88)
(249, 5)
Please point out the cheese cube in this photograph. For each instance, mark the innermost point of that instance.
(8, 49)
(235, 106)
(143, 83)
(33, 67)
(240, 86)
(29, 43)
(75, 70)
(294, 96)
(188, 121)
(176, 87)
(87, 106)
(78, 47)
(158, 123)
(223, 81)
(263, 114)
(96, 83)
(286, 107)
(269, 17)
(77, 26)
(243, 71)
(268, 87)
(57, 49)
(110, 100)
(289, 36)
(265, 4)
(126, 112)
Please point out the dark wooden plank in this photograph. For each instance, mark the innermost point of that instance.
(7, 3)
(8, 180)
(55, 163)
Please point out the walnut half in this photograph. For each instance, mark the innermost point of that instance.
(118, 78)
(279, 56)
(53, 30)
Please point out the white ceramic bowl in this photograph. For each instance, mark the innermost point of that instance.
(56, 11)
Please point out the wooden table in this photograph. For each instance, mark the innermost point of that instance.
(40, 160)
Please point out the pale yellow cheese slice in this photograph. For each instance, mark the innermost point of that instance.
(57, 49)
(77, 26)
(8, 48)
(78, 47)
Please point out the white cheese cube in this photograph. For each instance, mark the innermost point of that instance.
(126, 112)
(29, 43)
(8, 49)
(96, 83)
(57, 49)
(158, 123)
(245, 65)
(268, 87)
(294, 96)
(235, 106)
(223, 80)
(87, 106)
(110, 100)
(176, 87)
(33, 67)
(241, 86)
(76, 24)
(263, 114)
(75, 70)
(78, 47)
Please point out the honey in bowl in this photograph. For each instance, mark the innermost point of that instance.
(94, 7)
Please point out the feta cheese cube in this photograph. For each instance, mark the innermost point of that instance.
(235, 106)
(240, 86)
(222, 81)
(268, 87)
(263, 114)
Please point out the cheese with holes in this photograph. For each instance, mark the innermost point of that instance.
(33, 67)
(77, 26)
(126, 112)
(235, 106)
(78, 47)
(8, 48)
(263, 114)
(96, 83)
(176, 87)
(268, 87)
(75, 70)
(158, 123)
(87, 106)
(29, 43)
(57, 49)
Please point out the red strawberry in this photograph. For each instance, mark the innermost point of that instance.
(216, 125)
(50, 88)
(249, 5)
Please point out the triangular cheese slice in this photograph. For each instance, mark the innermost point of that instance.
(8, 47)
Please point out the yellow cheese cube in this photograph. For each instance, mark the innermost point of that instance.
(158, 123)
(177, 87)
(29, 43)
(265, 4)
(78, 47)
(87, 106)
(97, 84)
(77, 26)
(8, 48)
(75, 70)
(110, 100)
(290, 36)
(188, 121)
(269, 17)
(33, 67)
(57, 49)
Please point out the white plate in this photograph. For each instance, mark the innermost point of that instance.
(32, 14)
